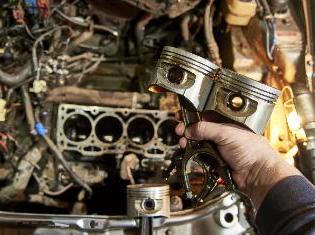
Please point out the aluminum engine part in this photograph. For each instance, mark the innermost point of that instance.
(238, 55)
(304, 102)
(288, 63)
(95, 131)
(207, 87)
(76, 95)
(90, 173)
(148, 200)
(288, 38)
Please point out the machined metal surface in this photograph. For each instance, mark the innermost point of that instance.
(148, 200)
(95, 130)
(208, 87)
(304, 103)
(192, 221)
(81, 96)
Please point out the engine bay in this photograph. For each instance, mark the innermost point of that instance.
(77, 124)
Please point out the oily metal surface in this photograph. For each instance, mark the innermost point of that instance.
(92, 145)
(207, 87)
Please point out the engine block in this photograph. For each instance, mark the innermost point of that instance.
(96, 131)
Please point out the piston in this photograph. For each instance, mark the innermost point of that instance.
(203, 86)
(148, 200)
(207, 87)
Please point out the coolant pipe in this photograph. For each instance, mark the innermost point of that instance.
(14, 79)
(304, 101)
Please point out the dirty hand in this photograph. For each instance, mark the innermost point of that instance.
(255, 166)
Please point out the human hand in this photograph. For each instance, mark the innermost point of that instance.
(255, 166)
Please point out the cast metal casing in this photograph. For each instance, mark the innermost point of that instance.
(207, 87)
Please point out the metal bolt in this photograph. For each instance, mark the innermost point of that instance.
(236, 102)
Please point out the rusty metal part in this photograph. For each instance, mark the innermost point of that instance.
(87, 24)
(87, 172)
(238, 55)
(118, 9)
(48, 201)
(18, 77)
(148, 6)
(169, 102)
(287, 54)
(95, 131)
(4, 174)
(16, 190)
(84, 96)
(180, 7)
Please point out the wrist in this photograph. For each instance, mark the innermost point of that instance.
(264, 175)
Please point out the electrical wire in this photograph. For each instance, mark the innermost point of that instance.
(65, 165)
(213, 49)
(45, 189)
(63, 2)
(28, 31)
(86, 24)
(270, 39)
(57, 153)
(40, 39)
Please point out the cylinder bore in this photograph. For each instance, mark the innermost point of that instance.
(140, 131)
(109, 129)
(77, 127)
(166, 132)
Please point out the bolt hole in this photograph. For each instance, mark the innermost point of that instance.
(228, 217)
(93, 224)
(175, 75)
(149, 204)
